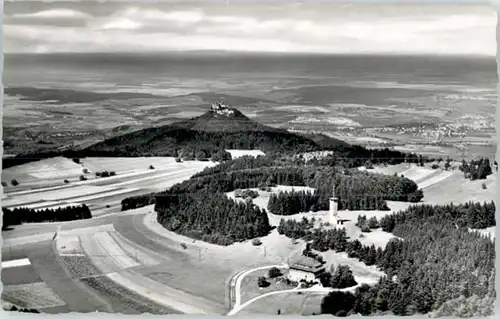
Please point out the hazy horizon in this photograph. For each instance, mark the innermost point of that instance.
(318, 28)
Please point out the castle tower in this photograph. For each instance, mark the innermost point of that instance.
(334, 217)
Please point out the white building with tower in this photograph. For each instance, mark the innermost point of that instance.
(334, 218)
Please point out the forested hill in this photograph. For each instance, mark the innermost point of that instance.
(208, 136)
(205, 136)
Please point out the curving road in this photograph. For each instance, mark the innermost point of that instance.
(236, 290)
(115, 265)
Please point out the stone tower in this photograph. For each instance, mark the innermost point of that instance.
(334, 203)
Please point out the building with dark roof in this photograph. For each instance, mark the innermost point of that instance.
(305, 268)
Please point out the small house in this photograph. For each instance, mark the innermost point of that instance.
(305, 268)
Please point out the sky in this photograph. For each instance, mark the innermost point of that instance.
(308, 27)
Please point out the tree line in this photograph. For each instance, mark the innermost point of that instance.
(294, 202)
(472, 214)
(351, 184)
(18, 216)
(476, 169)
(355, 190)
(212, 218)
(291, 203)
(353, 156)
(435, 265)
(338, 278)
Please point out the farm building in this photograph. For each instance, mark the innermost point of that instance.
(305, 268)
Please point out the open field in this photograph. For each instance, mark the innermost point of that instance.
(127, 164)
(457, 189)
(162, 294)
(47, 169)
(442, 187)
(289, 303)
(133, 250)
(275, 248)
(97, 193)
(206, 278)
(123, 300)
(36, 295)
(19, 275)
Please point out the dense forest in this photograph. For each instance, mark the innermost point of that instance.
(138, 201)
(355, 189)
(350, 184)
(18, 216)
(476, 169)
(212, 218)
(295, 229)
(472, 215)
(355, 156)
(290, 203)
(436, 264)
(212, 183)
(207, 135)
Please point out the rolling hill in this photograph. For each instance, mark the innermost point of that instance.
(208, 136)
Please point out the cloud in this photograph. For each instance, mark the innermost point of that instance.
(53, 14)
(346, 29)
(121, 24)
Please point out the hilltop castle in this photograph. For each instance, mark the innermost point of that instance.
(221, 108)
(218, 105)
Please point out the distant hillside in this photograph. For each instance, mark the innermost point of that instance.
(327, 142)
(202, 137)
(62, 96)
(208, 136)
